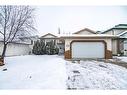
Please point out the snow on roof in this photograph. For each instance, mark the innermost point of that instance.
(93, 35)
(121, 26)
(19, 40)
(48, 34)
(35, 36)
(85, 29)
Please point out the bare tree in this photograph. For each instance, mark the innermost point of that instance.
(15, 20)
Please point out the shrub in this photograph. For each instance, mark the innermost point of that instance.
(36, 48)
(41, 48)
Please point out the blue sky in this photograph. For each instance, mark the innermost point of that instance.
(73, 18)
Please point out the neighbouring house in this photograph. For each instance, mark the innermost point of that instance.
(20, 46)
(119, 44)
(123, 36)
(29, 40)
(58, 41)
(14, 49)
(87, 44)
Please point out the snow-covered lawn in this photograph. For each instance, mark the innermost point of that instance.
(96, 75)
(53, 72)
(33, 72)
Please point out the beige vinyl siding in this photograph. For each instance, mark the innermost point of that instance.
(114, 47)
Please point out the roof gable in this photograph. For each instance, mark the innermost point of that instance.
(48, 35)
(123, 34)
(85, 31)
(119, 26)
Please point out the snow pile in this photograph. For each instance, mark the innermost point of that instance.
(123, 59)
(33, 72)
(96, 75)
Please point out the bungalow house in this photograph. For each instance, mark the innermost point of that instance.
(59, 42)
(119, 45)
(87, 44)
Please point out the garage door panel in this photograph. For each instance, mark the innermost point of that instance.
(88, 50)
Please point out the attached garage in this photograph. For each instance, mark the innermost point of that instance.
(88, 46)
(88, 49)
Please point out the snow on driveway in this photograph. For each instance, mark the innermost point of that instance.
(123, 58)
(96, 75)
(33, 72)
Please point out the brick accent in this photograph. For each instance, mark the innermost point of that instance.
(67, 54)
(108, 54)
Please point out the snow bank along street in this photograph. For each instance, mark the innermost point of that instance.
(53, 72)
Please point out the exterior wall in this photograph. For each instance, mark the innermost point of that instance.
(114, 47)
(125, 44)
(121, 46)
(117, 46)
(15, 49)
(125, 47)
(49, 40)
(108, 46)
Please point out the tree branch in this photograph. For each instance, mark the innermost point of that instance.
(1, 33)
